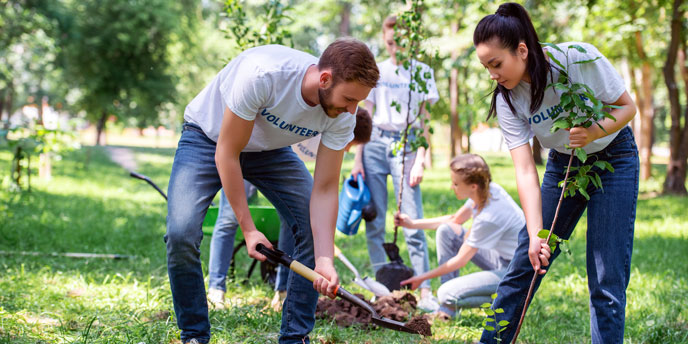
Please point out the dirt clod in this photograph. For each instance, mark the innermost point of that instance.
(399, 306)
(420, 324)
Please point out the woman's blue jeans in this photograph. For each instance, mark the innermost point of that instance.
(609, 240)
(283, 179)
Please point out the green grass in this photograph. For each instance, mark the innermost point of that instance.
(98, 208)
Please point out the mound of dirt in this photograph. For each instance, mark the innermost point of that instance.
(399, 306)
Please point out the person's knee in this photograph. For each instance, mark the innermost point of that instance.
(447, 295)
(181, 233)
(445, 232)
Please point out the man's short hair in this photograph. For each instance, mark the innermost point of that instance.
(350, 60)
(364, 126)
(389, 23)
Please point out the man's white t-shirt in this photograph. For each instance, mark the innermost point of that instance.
(394, 86)
(264, 84)
(307, 150)
(497, 225)
(519, 128)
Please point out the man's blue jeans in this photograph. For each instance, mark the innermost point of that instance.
(283, 179)
(609, 240)
(222, 247)
(378, 162)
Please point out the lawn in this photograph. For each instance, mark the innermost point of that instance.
(92, 205)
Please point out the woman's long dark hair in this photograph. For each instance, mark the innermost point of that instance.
(511, 25)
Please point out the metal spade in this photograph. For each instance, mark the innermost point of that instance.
(377, 288)
(279, 257)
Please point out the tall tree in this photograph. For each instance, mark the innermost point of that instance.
(678, 145)
(116, 53)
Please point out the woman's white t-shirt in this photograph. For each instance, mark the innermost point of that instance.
(518, 128)
(497, 225)
(264, 84)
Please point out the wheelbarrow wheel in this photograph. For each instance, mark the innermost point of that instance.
(268, 272)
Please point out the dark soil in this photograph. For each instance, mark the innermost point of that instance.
(420, 324)
(399, 306)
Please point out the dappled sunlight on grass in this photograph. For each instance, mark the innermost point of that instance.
(92, 205)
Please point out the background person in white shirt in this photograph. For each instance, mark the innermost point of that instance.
(375, 161)
(241, 126)
(489, 243)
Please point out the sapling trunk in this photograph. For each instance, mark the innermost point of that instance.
(549, 235)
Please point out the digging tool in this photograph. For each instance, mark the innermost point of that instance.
(377, 288)
(277, 256)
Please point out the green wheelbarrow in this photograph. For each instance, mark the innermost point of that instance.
(267, 222)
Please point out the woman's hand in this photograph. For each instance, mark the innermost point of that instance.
(539, 254)
(414, 282)
(403, 220)
(580, 137)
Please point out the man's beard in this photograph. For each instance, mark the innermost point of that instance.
(325, 98)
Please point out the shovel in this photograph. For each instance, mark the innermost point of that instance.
(277, 256)
(377, 288)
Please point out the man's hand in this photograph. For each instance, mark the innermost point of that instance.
(403, 220)
(326, 286)
(253, 238)
(539, 254)
(416, 172)
(580, 137)
(414, 282)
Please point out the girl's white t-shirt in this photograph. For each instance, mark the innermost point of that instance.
(264, 84)
(497, 225)
(394, 86)
(600, 76)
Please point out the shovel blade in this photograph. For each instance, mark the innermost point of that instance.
(392, 325)
(376, 287)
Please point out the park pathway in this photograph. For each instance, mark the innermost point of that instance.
(122, 156)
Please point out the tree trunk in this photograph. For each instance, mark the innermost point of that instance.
(8, 106)
(646, 107)
(537, 151)
(635, 122)
(2, 107)
(345, 19)
(678, 141)
(454, 127)
(100, 127)
(467, 135)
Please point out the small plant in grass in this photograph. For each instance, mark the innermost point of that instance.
(490, 323)
(573, 111)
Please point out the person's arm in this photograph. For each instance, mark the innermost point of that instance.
(460, 217)
(580, 137)
(323, 210)
(358, 157)
(418, 167)
(457, 262)
(235, 133)
(528, 182)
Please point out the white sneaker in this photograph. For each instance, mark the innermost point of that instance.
(429, 304)
(216, 298)
(277, 300)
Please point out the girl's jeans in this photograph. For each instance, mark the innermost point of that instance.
(609, 240)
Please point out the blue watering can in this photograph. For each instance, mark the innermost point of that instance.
(352, 199)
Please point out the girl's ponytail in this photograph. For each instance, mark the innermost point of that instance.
(512, 25)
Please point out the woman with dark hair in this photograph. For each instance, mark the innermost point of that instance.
(508, 46)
